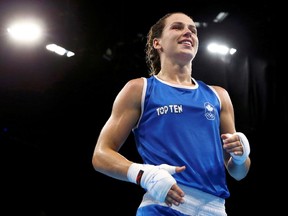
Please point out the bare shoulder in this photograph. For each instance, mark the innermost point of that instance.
(222, 92)
(135, 84)
(219, 89)
(223, 95)
(131, 93)
(133, 87)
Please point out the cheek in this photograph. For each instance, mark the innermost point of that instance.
(196, 41)
(169, 41)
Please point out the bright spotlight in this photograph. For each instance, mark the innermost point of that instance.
(220, 49)
(59, 50)
(232, 51)
(25, 31)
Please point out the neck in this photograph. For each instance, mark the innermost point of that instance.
(176, 78)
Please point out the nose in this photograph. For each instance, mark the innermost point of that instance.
(187, 32)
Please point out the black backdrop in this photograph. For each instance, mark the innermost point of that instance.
(52, 109)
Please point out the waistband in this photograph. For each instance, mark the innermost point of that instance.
(195, 201)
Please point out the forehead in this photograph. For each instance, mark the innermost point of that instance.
(179, 17)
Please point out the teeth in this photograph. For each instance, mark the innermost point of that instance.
(187, 42)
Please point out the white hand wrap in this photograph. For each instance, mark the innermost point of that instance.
(240, 159)
(156, 179)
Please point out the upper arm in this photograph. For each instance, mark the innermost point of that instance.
(125, 113)
(227, 120)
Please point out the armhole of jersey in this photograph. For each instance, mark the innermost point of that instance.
(217, 95)
(142, 101)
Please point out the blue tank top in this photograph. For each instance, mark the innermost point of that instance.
(180, 125)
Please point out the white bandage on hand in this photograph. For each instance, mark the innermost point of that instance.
(240, 159)
(156, 179)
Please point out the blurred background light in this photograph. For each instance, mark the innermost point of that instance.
(59, 50)
(25, 31)
(220, 49)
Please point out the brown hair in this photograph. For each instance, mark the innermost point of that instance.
(152, 55)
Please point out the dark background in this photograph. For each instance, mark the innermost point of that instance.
(53, 108)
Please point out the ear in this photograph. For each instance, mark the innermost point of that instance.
(156, 43)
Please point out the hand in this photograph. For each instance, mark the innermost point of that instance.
(158, 180)
(232, 144)
(175, 194)
(237, 145)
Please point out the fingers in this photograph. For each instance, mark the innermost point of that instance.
(172, 169)
(180, 169)
(232, 144)
(237, 150)
(175, 196)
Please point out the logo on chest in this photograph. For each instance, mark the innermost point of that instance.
(173, 108)
(209, 111)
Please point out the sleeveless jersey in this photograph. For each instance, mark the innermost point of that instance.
(180, 125)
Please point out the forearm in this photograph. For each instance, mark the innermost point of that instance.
(238, 171)
(111, 163)
(237, 154)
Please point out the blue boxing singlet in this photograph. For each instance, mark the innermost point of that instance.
(180, 125)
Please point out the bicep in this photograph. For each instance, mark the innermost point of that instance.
(227, 120)
(124, 115)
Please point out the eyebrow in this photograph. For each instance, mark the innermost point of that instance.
(181, 23)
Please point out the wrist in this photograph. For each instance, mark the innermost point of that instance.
(135, 173)
(156, 179)
(240, 159)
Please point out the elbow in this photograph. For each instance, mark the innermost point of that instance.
(96, 161)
